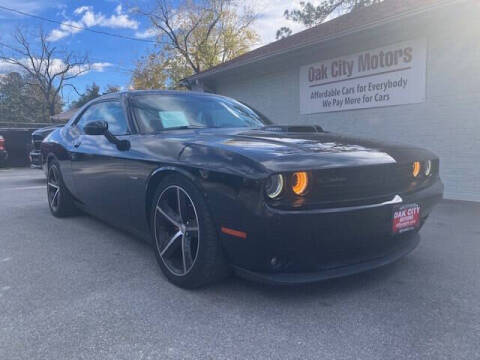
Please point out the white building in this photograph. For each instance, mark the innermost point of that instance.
(403, 70)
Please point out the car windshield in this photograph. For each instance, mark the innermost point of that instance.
(158, 112)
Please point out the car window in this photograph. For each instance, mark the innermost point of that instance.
(85, 118)
(111, 112)
(156, 112)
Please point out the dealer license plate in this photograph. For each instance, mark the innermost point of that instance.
(406, 218)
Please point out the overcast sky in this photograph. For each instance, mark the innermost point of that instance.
(113, 58)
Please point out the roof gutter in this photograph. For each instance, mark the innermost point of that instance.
(338, 35)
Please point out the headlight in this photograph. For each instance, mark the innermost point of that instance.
(299, 182)
(274, 186)
(427, 168)
(416, 168)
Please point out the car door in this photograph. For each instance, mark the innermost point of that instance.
(98, 166)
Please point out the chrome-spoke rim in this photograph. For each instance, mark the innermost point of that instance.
(53, 188)
(177, 233)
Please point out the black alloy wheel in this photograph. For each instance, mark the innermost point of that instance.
(176, 230)
(53, 188)
(185, 239)
(59, 199)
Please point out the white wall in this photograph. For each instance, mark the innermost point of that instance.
(448, 123)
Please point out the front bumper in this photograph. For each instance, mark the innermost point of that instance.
(301, 246)
(410, 243)
(3, 156)
(35, 159)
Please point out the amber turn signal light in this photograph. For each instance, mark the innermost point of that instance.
(299, 182)
(416, 168)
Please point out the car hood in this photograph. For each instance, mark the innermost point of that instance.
(284, 151)
(43, 132)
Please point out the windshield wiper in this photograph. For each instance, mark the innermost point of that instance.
(184, 127)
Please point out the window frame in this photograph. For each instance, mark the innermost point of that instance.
(139, 128)
(101, 101)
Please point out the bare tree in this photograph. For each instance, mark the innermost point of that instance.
(194, 35)
(50, 69)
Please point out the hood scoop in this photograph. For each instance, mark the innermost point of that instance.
(293, 128)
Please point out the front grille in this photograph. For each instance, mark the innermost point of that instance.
(355, 186)
(350, 184)
(36, 142)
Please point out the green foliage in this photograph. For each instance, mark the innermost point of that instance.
(192, 37)
(310, 15)
(151, 72)
(21, 100)
(283, 32)
(112, 89)
(92, 92)
(47, 68)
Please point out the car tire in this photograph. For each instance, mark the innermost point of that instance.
(185, 239)
(60, 200)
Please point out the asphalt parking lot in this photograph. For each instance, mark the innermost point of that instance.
(78, 289)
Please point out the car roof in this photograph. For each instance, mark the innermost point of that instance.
(128, 93)
(155, 92)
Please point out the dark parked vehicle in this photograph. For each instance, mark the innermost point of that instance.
(214, 186)
(37, 138)
(3, 152)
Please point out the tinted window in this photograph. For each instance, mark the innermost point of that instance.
(86, 117)
(111, 112)
(157, 112)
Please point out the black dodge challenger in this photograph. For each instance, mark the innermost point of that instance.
(215, 186)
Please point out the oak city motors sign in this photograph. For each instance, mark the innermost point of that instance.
(386, 76)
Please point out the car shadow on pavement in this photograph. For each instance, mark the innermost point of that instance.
(238, 289)
(242, 287)
(372, 279)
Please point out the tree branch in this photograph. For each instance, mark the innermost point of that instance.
(41, 63)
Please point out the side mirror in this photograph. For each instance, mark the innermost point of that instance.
(99, 127)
